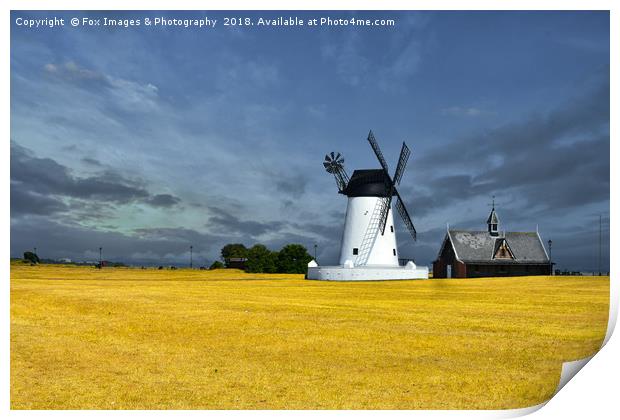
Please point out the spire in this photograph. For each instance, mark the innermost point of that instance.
(493, 220)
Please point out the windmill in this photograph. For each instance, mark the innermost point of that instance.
(368, 249)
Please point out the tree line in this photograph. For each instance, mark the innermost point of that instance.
(291, 259)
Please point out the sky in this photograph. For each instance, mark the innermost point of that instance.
(146, 140)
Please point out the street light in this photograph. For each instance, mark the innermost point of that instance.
(100, 260)
(191, 256)
(549, 242)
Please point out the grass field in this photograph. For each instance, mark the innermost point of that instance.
(131, 338)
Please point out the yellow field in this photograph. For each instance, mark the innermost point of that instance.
(131, 338)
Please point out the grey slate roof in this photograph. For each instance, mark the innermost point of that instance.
(480, 247)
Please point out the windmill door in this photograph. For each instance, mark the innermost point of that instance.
(449, 271)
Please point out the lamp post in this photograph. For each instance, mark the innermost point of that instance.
(549, 242)
(100, 260)
(191, 256)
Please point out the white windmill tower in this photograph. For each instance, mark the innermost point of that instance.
(369, 250)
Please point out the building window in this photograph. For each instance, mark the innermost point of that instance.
(355, 251)
(392, 229)
(494, 227)
(394, 251)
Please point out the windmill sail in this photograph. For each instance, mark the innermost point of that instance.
(385, 209)
(391, 186)
(377, 150)
(402, 162)
(402, 210)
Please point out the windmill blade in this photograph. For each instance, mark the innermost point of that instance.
(377, 150)
(400, 206)
(327, 164)
(402, 162)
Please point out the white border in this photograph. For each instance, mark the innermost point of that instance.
(593, 393)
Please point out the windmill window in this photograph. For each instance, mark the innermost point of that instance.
(394, 251)
(392, 229)
(355, 251)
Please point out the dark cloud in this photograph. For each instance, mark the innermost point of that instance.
(39, 184)
(327, 238)
(223, 222)
(43, 187)
(293, 185)
(438, 193)
(90, 211)
(28, 202)
(326, 231)
(163, 200)
(177, 238)
(63, 120)
(541, 168)
(558, 160)
(577, 249)
(46, 176)
(91, 161)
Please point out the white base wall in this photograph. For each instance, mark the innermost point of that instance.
(366, 273)
(359, 234)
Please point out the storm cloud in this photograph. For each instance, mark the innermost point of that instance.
(228, 223)
(39, 186)
(555, 160)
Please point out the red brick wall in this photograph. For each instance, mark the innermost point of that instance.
(439, 269)
(459, 270)
(447, 257)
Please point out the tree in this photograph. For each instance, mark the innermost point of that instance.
(31, 257)
(234, 251)
(293, 258)
(261, 260)
(216, 264)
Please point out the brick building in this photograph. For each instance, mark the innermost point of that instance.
(491, 253)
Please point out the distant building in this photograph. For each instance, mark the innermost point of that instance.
(240, 263)
(491, 253)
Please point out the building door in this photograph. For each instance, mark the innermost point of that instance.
(449, 271)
